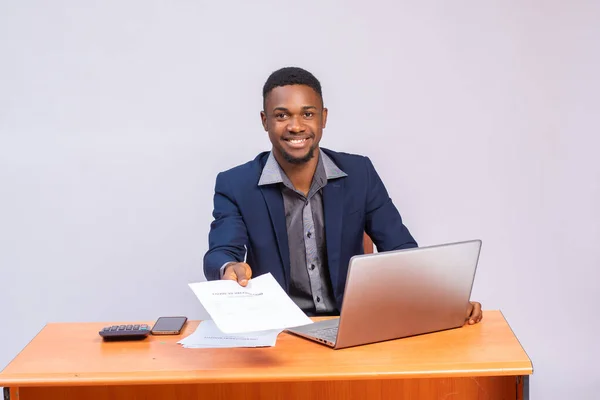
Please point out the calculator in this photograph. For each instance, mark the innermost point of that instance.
(125, 332)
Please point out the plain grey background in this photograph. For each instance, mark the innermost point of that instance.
(480, 116)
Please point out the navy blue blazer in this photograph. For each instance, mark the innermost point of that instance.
(251, 217)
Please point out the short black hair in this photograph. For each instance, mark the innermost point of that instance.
(291, 76)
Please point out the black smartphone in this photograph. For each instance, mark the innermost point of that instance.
(168, 325)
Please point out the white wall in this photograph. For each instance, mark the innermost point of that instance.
(482, 118)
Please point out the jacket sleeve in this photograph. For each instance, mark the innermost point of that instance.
(228, 235)
(383, 222)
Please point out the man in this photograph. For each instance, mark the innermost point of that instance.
(300, 211)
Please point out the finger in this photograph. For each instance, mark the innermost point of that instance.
(469, 312)
(476, 313)
(243, 273)
(479, 313)
(230, 274)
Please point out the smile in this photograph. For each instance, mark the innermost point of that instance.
(297, 143)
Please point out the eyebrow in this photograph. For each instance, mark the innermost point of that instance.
(286, 110)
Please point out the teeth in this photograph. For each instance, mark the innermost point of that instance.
(297, 141)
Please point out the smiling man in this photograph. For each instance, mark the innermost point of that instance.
(300, 211)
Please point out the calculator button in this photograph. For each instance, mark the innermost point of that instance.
(106, 329)
(129, 327)
(114, 328)
(121, 327)
(136, 327)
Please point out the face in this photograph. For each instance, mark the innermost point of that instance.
(295, 118)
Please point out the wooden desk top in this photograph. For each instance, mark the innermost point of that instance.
(74, 354)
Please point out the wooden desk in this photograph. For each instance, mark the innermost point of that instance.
(70, 361)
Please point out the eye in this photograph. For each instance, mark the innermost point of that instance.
(280, 115)
(309, 114)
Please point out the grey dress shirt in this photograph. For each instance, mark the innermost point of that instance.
(310, 286)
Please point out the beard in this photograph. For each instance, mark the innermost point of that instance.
(299, 160)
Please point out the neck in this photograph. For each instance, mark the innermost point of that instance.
(301, 175)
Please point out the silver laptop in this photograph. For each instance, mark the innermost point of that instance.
(401, 293)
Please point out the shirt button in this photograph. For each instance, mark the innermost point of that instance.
(318, 299)
(308, 235)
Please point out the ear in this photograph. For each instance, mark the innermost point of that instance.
(263, 118)
(324, 118)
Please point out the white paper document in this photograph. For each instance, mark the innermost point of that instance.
(260, 306)
(207, 335)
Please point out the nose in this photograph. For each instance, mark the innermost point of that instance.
(295, 125)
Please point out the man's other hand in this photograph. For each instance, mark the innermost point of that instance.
(240, 272)
(474, 313)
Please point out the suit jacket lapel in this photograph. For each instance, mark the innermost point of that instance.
(274, 201)
(333, 200)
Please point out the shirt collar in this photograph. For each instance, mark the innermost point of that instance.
(272, 172)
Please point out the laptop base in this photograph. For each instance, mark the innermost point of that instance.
(324, 332)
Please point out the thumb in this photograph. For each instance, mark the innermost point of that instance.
(243, 273)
